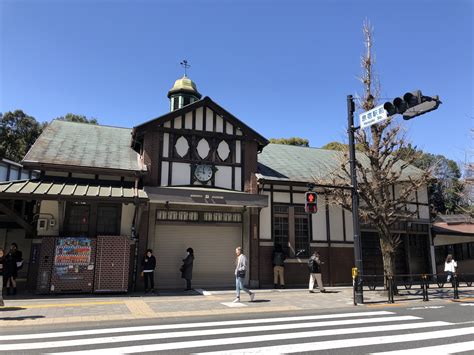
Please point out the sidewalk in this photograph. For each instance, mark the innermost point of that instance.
(89, 308)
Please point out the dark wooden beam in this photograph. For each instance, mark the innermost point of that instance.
(17, 218)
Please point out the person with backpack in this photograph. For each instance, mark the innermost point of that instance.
(314, 266)
(278, 259)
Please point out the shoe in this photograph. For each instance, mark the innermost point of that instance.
(237, 300)
(252, 297)
(283, 286)
(275, 286)
(323, 291)
(312, 292)
(188, 289)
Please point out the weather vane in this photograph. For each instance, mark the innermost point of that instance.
(185, 65)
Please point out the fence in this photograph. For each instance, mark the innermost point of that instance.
(393, 284)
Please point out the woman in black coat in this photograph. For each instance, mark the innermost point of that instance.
(10, 268)
(187, 268)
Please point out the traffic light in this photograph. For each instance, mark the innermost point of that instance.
(311, 202)
(413, 104)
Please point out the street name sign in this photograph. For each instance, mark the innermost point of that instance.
(368, 118)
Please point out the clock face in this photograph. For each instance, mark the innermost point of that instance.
(203, 173)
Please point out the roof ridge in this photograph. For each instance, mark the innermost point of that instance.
(90, 124)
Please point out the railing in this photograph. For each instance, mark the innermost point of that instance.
(393, 284)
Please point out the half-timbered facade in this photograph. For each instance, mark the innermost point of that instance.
(195, 177)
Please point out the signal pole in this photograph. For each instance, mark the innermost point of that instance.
(359, 295)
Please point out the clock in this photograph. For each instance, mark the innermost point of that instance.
(203, 172)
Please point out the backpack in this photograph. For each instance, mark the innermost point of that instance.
(278, 259)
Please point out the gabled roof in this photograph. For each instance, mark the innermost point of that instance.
(281, 162)
(206, 102)
(71, 144)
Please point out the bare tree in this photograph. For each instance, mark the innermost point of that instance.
(382, 163)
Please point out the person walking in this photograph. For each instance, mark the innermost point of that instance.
(314, 266)
(240, 270)
(187, 268)
(13, 261)
(1, 277)
(450, 266)
(149, 265)
(278, 259)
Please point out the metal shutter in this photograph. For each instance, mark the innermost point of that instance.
(214, 251)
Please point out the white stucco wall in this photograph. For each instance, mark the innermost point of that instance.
(266, 221)
(128, 211)
(49, 210)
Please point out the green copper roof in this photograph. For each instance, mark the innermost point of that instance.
(84, 145)
(280, 162)
(184, 84)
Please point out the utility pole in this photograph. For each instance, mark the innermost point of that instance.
(359, 295)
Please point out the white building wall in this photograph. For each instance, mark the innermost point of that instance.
(181, 174)
(266, 220)
(319, 220)
(223, 177)
(49, 210)
(199, 120)
(283, 197)
(335, 223)
(128, 211)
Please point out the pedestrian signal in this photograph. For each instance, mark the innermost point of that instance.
(311, 202)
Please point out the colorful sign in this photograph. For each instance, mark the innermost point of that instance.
(71, 252)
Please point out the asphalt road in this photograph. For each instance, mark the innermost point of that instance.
(430, 329)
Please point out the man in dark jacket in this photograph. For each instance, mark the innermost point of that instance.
(187, 268)
(278, 260)
(314, 266)
(149, 265)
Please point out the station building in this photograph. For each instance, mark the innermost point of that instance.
(196, 177)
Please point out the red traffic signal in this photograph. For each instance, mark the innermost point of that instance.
(311, 202)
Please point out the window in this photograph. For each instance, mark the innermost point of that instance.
(77, 221)
(108, 220)
(175, 103)
(186, 100)
(280, 226)
(301, 232)
(193, 216)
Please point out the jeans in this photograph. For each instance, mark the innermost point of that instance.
(149, 276)
(188, 284)
(239, 285)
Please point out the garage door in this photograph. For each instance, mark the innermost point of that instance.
(214, 251)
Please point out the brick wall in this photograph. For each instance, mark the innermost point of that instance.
(112, 264)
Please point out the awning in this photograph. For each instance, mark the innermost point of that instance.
(447, 234)
(204, 196)
(41, 189)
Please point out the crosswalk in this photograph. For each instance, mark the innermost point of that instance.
(361, 332)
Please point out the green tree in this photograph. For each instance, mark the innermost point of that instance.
(18, 132)
(71, 117)
(298, 141)
(446, 190)
(341, 146)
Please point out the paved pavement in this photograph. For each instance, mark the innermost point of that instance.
(34, 310)
(437, 329)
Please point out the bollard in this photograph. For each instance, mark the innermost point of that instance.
(455, 285)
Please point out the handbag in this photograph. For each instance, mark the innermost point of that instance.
(19, 264)
(241, 273)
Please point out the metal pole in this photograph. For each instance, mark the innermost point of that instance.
(359, 296)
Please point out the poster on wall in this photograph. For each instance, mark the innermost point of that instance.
(72, 255)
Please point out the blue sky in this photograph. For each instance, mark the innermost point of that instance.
(283, 67)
